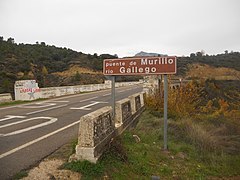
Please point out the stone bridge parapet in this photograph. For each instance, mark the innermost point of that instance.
(6, 97)
(98, 128)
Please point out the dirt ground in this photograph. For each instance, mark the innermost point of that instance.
(49, 169)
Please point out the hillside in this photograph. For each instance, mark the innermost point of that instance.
(227, 60)
(55, 66)
(40, 61)
(205, 71)
(78, 75)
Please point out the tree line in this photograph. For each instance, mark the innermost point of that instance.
(35, 61)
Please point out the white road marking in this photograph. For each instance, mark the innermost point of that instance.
(107, 94)
(86, 107)
(23, 121)
(52, 120)
(11, 117)
(65, 97)
(89, 99)
(55, 107)
(122, 91)
(8, 107)
(42, 105)
(36, 140)
(60, 101)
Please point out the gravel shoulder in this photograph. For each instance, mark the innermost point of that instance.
(50, 167)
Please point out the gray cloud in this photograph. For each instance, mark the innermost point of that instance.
(125, 27)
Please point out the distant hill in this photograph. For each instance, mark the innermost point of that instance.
(142, 53)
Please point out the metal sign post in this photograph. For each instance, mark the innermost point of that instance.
(165, 111)
(142, 66)
(113, 95)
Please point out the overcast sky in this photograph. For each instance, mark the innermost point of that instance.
(125, 27)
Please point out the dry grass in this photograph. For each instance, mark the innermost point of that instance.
(74, 69)
(203, 116)
(181, 102)
(208, 72)
(207, 138)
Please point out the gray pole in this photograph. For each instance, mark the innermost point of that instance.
(159, 84)
(113, 95)
(165, 111)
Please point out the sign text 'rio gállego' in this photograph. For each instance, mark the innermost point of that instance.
(140, 66)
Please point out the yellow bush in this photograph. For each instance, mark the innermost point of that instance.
(181, 102)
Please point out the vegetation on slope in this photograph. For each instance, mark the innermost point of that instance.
(41, 62)
(227, 59)
(204, 71)
(203, 138)
(38, 61)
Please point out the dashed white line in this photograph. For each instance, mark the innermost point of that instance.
(86, 107)
(8, 107)
(95, 97)
(34, 112)
(41, 105)
(107, 94)
(121, 91)
(60, 101)
(36, 140)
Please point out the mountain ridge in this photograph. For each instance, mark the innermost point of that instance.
(142, 53)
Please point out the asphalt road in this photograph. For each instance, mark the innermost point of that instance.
(32, 131)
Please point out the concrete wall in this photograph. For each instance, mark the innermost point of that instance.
(24, 90)
(150, 83)
(123, 111)
(98, 128)
(5, 97)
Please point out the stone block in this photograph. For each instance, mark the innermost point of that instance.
(135, 100)
(95, 131)
(142, 98)
(6, 97)
(123, 111)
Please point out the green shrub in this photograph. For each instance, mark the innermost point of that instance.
(86, 168)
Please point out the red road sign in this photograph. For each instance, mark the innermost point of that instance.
(140, 66)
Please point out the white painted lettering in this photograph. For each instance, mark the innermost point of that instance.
(140, 70)
(122, 70)
(144, 62)
(170, 61)
(147, 70)
(153, 70)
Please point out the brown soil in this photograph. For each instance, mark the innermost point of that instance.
(74, 69)
(205, 71)
(49, 169)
